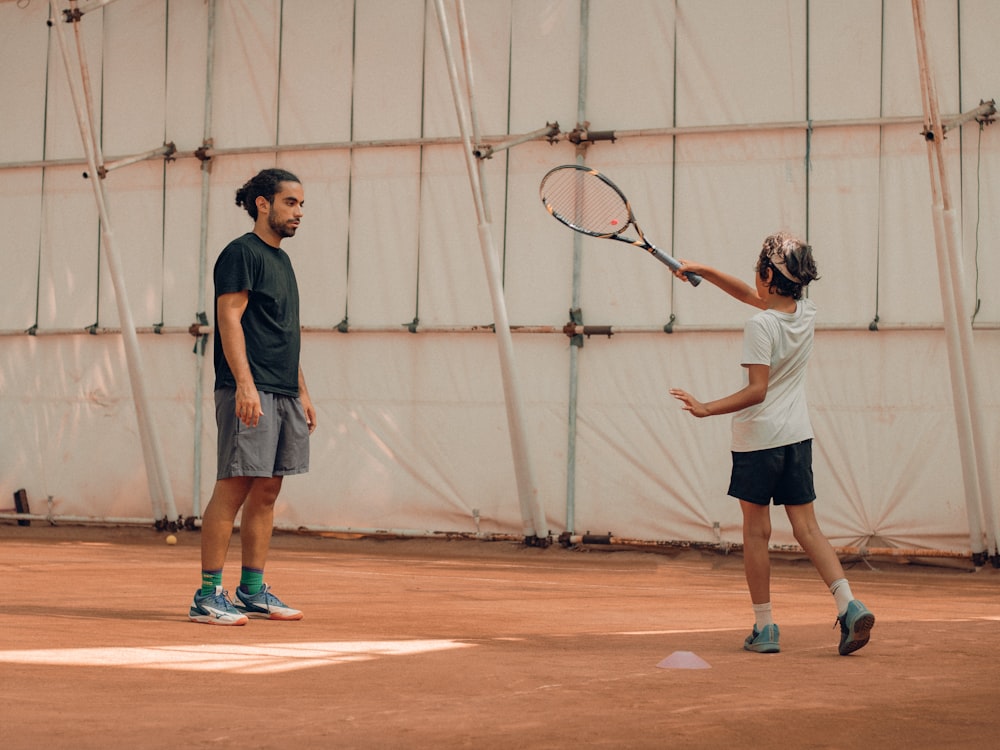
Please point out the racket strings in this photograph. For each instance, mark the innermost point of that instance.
(584, 201)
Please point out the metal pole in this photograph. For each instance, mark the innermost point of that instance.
(576, 315)
(533, 516)
(161, 495)
(958, 322)
(206, 171)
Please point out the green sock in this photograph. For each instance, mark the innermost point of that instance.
(209, 580)
(252, 580)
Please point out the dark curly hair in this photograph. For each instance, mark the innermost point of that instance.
(791, 263)
(263, 184)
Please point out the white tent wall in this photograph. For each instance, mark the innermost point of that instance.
(711, 100)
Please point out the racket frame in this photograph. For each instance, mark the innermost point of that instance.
(641, 241)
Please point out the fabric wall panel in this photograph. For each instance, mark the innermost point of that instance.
(740, 62)
(844, 186)
(20, 209)
(630, 67)
(134, 80)
(845, 59)
(316, 71)
(135, 207)
(385, 205)
(411, 433)
(489, 34)
(187, 65)
(388, 69)
(980, 221)
(901, 74)
(245, 81)
(453, 283)
(319, 248)
(24, 37)
(545, 53)
(68, 263)
(61, 127)
(731, 192)
(645, 468)
(538, 257)
(183, 274)
(620, 284)
(909, 290)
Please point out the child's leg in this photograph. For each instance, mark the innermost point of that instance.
(810, 538)
(756, 556)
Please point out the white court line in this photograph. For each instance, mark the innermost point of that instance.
(245, 659)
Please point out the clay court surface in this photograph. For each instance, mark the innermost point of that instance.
(431, 643)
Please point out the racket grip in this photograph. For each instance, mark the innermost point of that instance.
(673, 264)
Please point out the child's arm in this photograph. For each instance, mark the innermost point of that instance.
(731, 285)
(753, 393)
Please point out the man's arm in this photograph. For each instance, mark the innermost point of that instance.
(229, 309)
(307, 403)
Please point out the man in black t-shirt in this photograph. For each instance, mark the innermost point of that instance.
(262, 408)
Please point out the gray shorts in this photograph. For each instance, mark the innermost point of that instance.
(277, 446)
(784, 474)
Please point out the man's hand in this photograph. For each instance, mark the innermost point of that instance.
(248, 409)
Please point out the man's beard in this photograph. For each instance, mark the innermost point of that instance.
(282, 229)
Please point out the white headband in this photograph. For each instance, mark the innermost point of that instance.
(777, 259)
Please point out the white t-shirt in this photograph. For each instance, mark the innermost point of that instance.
(784, 342)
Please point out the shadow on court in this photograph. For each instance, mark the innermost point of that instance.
(454, 644)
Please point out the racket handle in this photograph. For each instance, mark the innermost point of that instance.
(673, 264)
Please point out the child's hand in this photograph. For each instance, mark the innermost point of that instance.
(690, 403)
(687, 267)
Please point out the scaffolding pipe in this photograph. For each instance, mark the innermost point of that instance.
(496, 142)
(533, 516)
(206, 171)
(161, 496)
(975, 460)
(575, 312)
(569, 329)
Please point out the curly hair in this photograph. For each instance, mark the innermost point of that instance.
(262, 185)
(791, 263)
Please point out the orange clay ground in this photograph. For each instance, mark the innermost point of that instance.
(467, 644)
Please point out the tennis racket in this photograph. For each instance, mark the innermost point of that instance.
(585, 200)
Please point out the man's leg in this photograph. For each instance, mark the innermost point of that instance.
(210, 604)
(218, 519)
(257, 522)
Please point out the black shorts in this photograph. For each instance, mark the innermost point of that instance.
(784, 474)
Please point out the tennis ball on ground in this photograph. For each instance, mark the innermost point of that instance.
(171, 539)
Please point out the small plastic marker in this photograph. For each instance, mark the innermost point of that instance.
(614, 222)
(684, 660)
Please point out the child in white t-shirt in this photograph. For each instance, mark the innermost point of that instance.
(772, 435)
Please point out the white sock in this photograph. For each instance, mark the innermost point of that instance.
(762, 616)
(841, 591)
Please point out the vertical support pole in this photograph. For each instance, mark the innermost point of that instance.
(161, 495)
(576, 314)
(206, 171)
(532, 514)
(958, 323)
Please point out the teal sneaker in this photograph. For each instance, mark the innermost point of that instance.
(855, 627)
(264, 604)
(763, 641)
(215, 609)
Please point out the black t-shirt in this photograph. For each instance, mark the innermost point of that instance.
(271, 320)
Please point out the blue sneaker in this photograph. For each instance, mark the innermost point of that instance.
(264, 604)
(215, 609)
(855, 627)
(763, 641)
